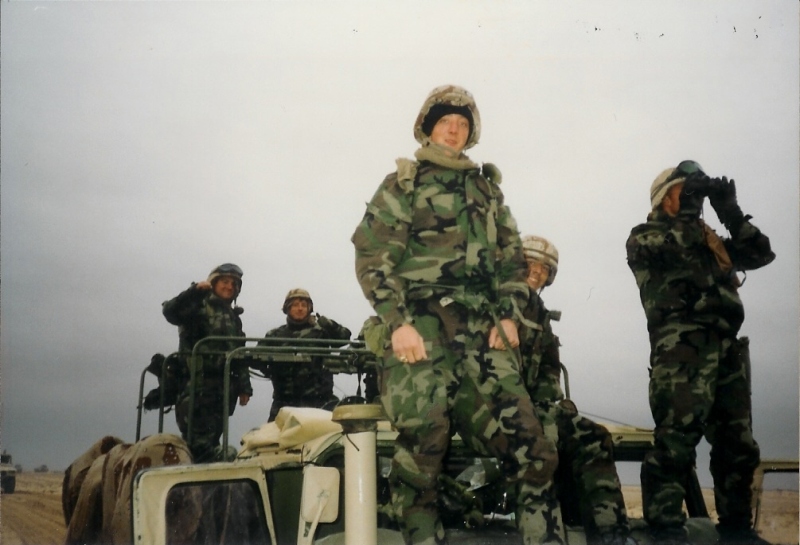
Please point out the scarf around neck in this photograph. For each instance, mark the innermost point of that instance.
(437, 154)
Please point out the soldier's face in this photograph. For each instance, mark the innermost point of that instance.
(452, 131)
(672, 200)
(225, 287)
(538, 273)
(298, 309)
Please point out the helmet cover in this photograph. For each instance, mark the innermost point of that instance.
(540, 249)
(297, 293)
(448, 99)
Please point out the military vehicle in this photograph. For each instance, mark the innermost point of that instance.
(320, 477)
(8, 474)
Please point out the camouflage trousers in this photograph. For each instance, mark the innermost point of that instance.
(588, 485)
(207, 420)
(699, 386)
(480, 392)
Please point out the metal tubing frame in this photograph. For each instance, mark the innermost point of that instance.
(351, 351)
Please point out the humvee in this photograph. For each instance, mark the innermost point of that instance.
(320, 477)
(8, 474)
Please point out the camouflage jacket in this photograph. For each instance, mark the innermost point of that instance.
(293, 381)
(199, 314)
(432, 231)
(679, 278)
(539, 347)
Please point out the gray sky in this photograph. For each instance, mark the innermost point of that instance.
(145, 143)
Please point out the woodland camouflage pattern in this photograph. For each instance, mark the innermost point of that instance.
(437, 248)
(199, 314)
(589, 488)
(699, 372)
(446, 234)
(302, 384)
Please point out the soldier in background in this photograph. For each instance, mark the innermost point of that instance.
(439, 257)
(302, 384)
(208, 308)
(699, 370)
(585, 450)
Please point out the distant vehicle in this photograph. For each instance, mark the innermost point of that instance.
(322, 478)
(8, 474)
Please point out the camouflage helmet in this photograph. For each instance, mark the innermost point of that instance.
(297, 293)
(227, 269)
(456, 98)
(540, 249)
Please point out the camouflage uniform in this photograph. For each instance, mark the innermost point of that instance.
(303, 384)
(437, 248)
(199, 314)
(699, 378)
(589, 487)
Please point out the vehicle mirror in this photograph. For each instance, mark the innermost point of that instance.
(320, 499)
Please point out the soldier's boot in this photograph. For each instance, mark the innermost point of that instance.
(416, 512)
(539, 515)
(739, 535)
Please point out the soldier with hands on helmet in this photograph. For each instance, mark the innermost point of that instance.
(699, 369)
(585, 449)
(439, 257)
(208, 308)
(302, 384)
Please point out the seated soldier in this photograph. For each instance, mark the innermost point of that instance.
(585, 454)
(302, 384)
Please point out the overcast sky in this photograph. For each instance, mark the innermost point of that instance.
(145, 143)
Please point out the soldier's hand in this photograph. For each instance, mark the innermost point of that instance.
(695, 189)
(510, 329)
(324, 323)
(203, 285)
(244, 399)
(408, 345)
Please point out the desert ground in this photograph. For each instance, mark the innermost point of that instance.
(32, 515)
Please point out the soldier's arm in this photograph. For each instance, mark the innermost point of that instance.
(750, 248)
(333, 329)
(240, 375)
(512, 269)
(650, 247)
(548, 382)
(182, 308)
(380, 241)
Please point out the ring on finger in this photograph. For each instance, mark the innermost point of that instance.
(403, 359)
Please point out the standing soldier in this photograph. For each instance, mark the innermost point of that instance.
(439, 257)
(208, 308)
(585, 450)
(699, 370)
(302, 384)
